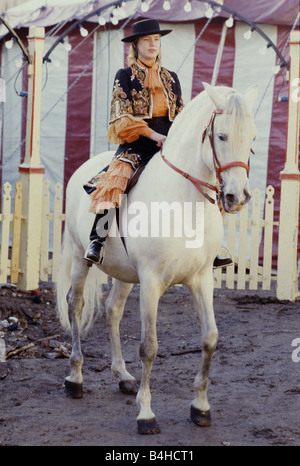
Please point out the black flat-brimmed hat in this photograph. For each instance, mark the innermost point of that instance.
(145, 28)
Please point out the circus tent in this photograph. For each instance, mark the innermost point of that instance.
(78, 80)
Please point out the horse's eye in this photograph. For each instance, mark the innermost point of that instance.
(222, 137)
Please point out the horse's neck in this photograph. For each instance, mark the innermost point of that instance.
(185, 150)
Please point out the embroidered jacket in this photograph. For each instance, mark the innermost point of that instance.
(130, 97)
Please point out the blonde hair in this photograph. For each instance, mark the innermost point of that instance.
(131, 57)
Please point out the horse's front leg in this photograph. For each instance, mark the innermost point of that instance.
(202, 290)
(73, 383)
(149, 297)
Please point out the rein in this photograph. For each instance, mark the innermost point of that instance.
(197, 183)
(218, 167)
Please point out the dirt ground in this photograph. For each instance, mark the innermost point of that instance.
(254, 391)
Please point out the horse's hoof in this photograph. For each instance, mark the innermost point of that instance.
(128, 387)
(200, 418)
(148, 427)
(75, 390)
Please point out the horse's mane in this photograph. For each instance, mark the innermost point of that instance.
(235, 119)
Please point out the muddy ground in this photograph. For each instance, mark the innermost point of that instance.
(254, 391)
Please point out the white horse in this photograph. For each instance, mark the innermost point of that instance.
(209, 143)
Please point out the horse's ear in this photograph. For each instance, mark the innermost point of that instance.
(251, 95)
(217, 99)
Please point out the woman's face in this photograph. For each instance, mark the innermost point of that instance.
(148, 48)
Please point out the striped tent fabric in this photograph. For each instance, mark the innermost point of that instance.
(77, 87)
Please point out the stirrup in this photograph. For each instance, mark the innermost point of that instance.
(90, 262)
(220, 262)
(89, 259)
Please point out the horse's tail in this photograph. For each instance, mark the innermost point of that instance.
(92, 289)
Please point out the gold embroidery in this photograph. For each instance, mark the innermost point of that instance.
(133, 159)
(138, 73)
(120, 105)
(167, 81)
(140, 101)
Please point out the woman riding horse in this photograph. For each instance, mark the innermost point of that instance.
(145, 101)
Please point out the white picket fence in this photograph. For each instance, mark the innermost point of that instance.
(242, 239)
(244, 235)
(11, 219)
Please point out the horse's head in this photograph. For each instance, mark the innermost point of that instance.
(231, 132)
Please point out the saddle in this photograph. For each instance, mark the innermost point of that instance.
(134, 178)
(90, 186)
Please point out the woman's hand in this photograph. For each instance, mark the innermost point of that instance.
(158, 138)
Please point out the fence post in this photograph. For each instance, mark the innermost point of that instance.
(287, 281)
(5, 228)
(31, 171)
(15, 252)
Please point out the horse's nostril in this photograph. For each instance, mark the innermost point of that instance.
(230, 198)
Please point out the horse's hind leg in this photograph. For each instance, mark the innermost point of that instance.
(114, 310)
(202, 290)
(73, 383)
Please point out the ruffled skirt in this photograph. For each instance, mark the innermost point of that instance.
(110, 186)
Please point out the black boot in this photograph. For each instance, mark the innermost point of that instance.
(94, 252)
(220, 262)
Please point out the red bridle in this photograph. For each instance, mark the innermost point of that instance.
(218, 167)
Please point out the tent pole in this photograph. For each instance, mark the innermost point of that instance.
(32, 171)
(287, 280)
(219, 55)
